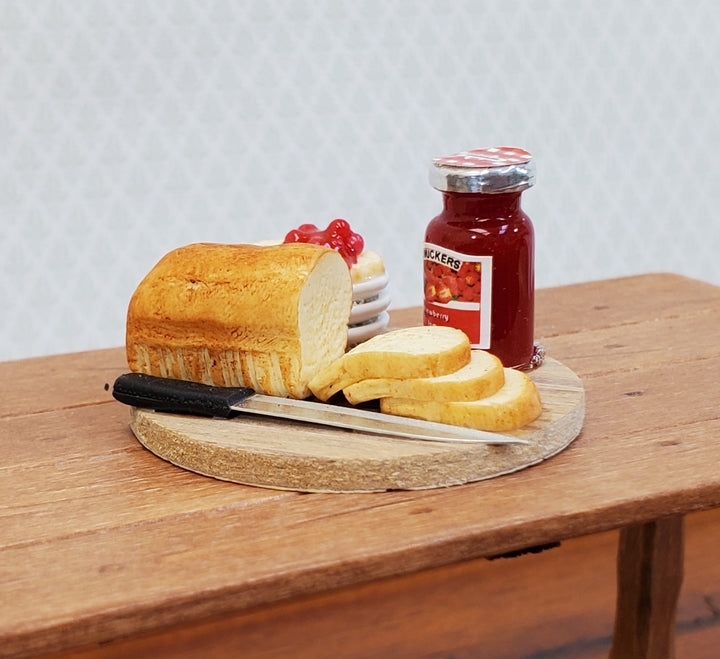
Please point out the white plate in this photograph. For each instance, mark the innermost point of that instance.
(367, 310)
(361, 333)
(369, 287)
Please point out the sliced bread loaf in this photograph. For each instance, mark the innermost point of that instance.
(481, 377)
(268, 318)
(413, 352)
(516, 404)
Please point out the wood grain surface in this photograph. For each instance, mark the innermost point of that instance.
(297, 456)
(100, 540)
(553, 604)
(650, 574)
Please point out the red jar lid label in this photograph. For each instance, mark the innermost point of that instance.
(496, 156)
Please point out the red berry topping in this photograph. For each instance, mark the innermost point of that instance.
(338, 236)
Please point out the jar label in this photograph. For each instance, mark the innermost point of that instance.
(458, 292)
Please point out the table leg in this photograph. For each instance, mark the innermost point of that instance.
(650, 573)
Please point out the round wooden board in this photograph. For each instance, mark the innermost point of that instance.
(289, 455)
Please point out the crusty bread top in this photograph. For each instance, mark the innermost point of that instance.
(412, 352)
(482, 376)
(209, 283)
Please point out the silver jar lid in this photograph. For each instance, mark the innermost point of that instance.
(491, 171)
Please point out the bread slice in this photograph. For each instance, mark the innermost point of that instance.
(269, 318)
(482, 377)
(412, 352)
(516, 404)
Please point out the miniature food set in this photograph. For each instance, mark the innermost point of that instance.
(306, 318)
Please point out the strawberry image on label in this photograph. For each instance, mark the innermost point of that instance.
(458, 289)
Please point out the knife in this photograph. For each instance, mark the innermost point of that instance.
(185, 397)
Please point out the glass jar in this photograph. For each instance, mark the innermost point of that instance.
(478, 260)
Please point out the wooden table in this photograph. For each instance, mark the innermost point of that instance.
(104, 545)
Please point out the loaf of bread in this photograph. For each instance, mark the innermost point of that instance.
(481, 377)
(413, 352)
(268, 318)
(516, 404)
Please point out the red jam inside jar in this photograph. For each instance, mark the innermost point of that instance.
(338, 236)
(479, 252)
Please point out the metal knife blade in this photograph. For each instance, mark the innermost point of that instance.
(183, 397)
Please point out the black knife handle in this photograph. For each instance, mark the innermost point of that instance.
(178, 396)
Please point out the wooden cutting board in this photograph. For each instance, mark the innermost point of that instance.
(282, 454)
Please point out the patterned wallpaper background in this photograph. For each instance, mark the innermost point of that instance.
(129, 128)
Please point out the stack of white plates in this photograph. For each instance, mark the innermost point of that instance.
(369, 316)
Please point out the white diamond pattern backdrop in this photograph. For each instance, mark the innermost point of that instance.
(130, 128)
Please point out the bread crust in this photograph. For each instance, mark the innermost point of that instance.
(268, 318)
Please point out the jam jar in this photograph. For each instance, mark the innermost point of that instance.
(478, 261)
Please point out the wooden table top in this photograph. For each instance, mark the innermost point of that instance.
(100, 539)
